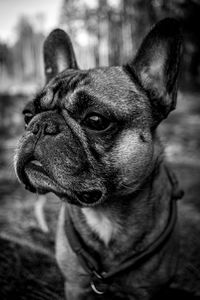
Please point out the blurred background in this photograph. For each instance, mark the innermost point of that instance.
(104, 32)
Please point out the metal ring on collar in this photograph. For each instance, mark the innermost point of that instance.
(95, 289)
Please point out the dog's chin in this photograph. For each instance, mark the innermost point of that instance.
(37, 180)
(86, 199)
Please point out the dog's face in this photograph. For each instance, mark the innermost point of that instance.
(90, 135)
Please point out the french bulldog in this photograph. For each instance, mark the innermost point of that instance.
(91, 139)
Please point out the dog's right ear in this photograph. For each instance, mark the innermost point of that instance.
(58, 54)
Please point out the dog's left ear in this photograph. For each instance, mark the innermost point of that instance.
(58, 54)
(157, 64)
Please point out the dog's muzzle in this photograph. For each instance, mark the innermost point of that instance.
(37, 180)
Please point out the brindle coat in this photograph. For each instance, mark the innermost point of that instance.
(91, 139)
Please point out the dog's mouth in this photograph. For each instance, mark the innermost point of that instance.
(37, 180)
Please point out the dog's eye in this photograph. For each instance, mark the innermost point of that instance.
(27, 117)
(96, 122)
(28, 112)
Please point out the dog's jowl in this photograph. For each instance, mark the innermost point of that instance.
(91, 139)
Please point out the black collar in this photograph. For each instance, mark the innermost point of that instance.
(100, 279)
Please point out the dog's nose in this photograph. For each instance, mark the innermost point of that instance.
(46, 124)
(48, 128)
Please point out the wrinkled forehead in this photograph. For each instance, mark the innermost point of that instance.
(76, 89)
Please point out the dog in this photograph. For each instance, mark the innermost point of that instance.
(91, 138)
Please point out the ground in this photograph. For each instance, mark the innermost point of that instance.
(29, 251)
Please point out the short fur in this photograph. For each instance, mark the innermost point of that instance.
(112, 181)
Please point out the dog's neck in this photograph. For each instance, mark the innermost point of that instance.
(139, 220)
(108, 222)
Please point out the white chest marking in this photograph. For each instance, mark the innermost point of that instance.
(100, 224)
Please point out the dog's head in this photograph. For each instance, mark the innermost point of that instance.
(90, 135)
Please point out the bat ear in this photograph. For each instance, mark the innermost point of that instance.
(58, 54)
(157, 65)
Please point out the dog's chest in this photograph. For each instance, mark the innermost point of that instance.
(101, 224)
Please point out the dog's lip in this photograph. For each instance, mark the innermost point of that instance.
(39, 179)
(32, 173)
(36, 179)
